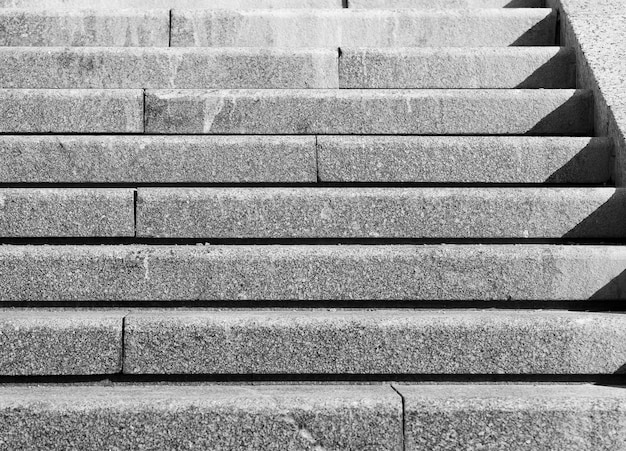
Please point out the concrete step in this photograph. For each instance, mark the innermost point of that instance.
(158, 159)
(363, 28)
(497, 67)
(202, 417)
(71, 111)
(64, 212)
(292, 159)
(454, 159)
(168, 4)
(438, 4)
(79, 28)
(422, 112)
(381, 212)
(321, 272)
(123, 68)
(374, 342)
(36, 342)
(513, 417)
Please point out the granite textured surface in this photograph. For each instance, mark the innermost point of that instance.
(463, 159)
(499, 67)
(115, 68)
(374, 342)
(440, 4)
(201, 417)
(66, 212)
(151, 4)
(323, 272)
(420, 111)
(71, 111)
(157, 159)
(84, 27)
(381, 212)
(40, 342)
(514, 417)
(363, 28)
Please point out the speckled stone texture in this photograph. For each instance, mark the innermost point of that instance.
(440, 4)
(71, 111)
(506, 67)
(115, 68)
(202, 417)
(199, 4)
(59, 342)
(157, 159)
(427, 111)
(514, 417)
(81, 27)
(374, 342)
(348, 272)
(463, 159)
(363, 28)
(381, 212)
(66, 212)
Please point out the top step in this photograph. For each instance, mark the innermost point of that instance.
(257, 4)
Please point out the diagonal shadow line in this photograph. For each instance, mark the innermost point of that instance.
(526, 4)
(574, 117)
(559, 72)
(543, 33)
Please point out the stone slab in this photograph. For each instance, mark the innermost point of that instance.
(381, 212)
(84, 28)
(514, 417)
(363, 28)
(464, 159)
(276, 417)
(425, 68)
(123, 68)
(157, 159)
(37, 342)
(67, 212)
(443, 4)
(374, 342)
(321, 272)
(71, 111)
(168, 4)
(422, 112)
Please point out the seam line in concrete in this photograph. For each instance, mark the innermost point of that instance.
(403, 437)
(169, 42)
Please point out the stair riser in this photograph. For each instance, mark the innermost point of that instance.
(438, 4)
(116, 68)
(202, 417)
(124, 28)
(363, 28)
(292, 159)
(165, 273)
(512, 67)
(380, 213)
(422, 112)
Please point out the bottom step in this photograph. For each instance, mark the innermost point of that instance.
(316, 417)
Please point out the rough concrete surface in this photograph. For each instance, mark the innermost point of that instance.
(363, 28)
(322, 272)
(202, 417)
(463, 159)
(501, 67)
(66, 212)
(115, 68)
(199, 4)
(514, 417)
(440, 4)
(71, 111)
(157, 159)
(381, 212)
(420, 111)
(84, 27)
(48, 342)
(374, 342)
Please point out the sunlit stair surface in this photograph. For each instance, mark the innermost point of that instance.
(305, 224)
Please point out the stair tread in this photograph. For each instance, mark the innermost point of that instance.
(152, 4)
(321, 272)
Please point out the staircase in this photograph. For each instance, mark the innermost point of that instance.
(302, 224)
